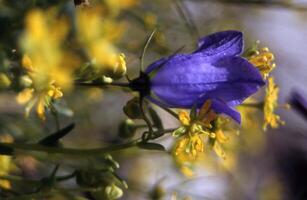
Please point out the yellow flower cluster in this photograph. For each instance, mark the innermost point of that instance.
(98, 32)
(48, 67)
(193, 134)
(48, 63)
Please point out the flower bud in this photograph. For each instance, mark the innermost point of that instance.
(113, 192)
(132, 109)
(25, 81)
(127, 129)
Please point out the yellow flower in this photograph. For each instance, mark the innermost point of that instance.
(193, 133)
(42, 41)
(99, 33)
(5, 162)
(270, 105)
(190, 146)
(48, 67)
(263, 60)
(41, 96)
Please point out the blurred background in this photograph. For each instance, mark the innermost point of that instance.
(259, 164)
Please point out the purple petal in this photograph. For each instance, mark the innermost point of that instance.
(225, 43)
(221, 107)
(186, 79)
(156, 64)
(243, 80)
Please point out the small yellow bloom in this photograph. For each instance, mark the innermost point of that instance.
(190, 146)
(194, 133)
(264, 61)
(37, 94)
(270, 104)
(55, 92)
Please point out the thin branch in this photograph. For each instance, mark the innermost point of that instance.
(69, 151)
(126, 85)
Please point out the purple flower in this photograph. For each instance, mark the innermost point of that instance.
(214, 71)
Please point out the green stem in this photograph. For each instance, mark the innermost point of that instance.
(161, 133)
(146, 119)
(127, 85)
(69, 151)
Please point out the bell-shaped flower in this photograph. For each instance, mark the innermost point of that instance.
(215, 71)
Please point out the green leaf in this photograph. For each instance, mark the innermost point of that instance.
(151, 146)
(53, 139)
(156, 119)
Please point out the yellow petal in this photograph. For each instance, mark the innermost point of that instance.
(219, 150)
(27, 63)
(25, 95)
(184, 118)
(221, 137)
(40, 109)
